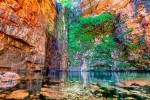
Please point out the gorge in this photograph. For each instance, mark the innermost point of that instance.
(36, 34)
(90, 48)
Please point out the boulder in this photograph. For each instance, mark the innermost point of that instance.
(2, 96)
(8, 79)
(18, 94)
(9, 76)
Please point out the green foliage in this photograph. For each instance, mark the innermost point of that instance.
(81, 31)
(81, 44)
(131, 46)
(66, 3)
(141, 41)
(48, 29)
(121, 37)
(107, 45)
(145, 56)
(60, 25)
(97, 20)
(82, 35)
(127, 43)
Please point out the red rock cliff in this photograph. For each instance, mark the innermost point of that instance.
(134, 14)
(23, 38)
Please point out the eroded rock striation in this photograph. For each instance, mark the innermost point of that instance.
(23, 25)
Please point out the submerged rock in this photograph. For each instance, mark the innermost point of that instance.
(55, 81)
(135, 92)
(148, 96)
(130, 98)
(119, 84)
(147, 88)
(110, 89)
(133, 83)
(1, 91)
(93, 88)
(31, 96)
(2, 96)
(116, 96)
(125, 86)
(99, 94)
(124, 91)
(52, 94)
(18, 94)
(45, 85)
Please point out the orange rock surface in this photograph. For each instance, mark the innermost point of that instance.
(23, 26)
(133, 14)
(18, 95)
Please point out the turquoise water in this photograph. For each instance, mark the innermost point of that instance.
(82, 86)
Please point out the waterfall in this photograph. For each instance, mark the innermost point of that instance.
(62, 36)
(84, 66)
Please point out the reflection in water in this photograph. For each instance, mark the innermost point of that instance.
(84, 76)
(32, 82)
(8, 84)
(91, 85)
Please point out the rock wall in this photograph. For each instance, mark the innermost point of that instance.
(23, 25)
(62, 39)
(133, 14)
(53, 56)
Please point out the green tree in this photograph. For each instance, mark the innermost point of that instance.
(83, 33)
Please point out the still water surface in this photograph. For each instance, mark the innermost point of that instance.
(82, 86)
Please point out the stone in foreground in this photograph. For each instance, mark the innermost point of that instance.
(129, 83)
(9, 76)
(52, 94)
(2, 96)
(18, 94)
(8, 79)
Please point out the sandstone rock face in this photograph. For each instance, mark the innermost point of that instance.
(23, 26)
(96, 7)
(52, 54)
(134, 14)
(62, 37)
